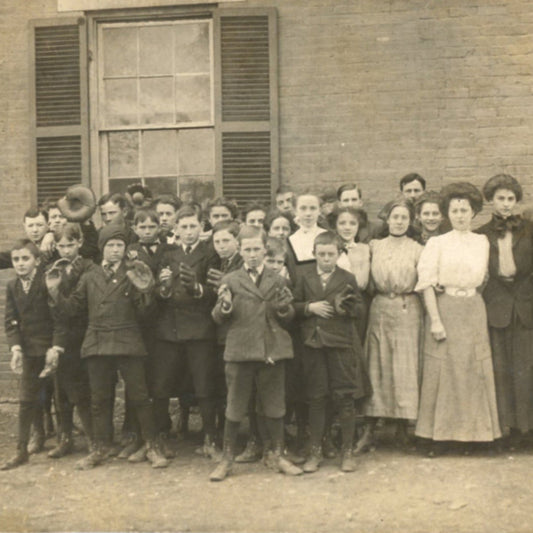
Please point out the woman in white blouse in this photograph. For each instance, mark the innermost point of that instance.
(457, 401)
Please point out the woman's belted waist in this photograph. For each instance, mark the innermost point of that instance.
(393, 294)
(460, 291)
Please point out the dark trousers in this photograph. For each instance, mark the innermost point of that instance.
(102, 378)
(29, 396)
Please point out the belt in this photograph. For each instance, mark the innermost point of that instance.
(393, 295)
(459, 291)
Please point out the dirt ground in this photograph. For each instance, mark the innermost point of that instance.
(392, 491)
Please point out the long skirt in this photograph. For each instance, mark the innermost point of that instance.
(512, 356)
(392, 353)
(458, 397)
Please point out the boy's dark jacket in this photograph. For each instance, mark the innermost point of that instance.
(182, 316)
(255, 330)
(29, 322)
(339, 330)
(115, 308)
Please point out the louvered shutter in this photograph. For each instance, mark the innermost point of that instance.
(246, 92)
(60, 152)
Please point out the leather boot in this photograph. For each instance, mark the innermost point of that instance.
(251, 453)
(132, 444)
(20, 458)
(165, 447)
(36, 444)
(209, 449)
(155, 455)
(328, 447)
(64, 447)
(313, 461)
(223, 468)
(366, 442)
(95, 458)
(277, 462)
(139, 455)
(348, 462)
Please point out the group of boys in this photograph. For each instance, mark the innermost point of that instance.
(157, 299)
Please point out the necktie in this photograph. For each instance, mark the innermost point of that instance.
(224, 265)
(254, 274)
(108, 269)
(188, 249)
(149, 249)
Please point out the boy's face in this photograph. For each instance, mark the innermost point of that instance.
(307, 210)
(255, 218)
(189, 229)
(146, 230)
(114, 250)
(68, 248)
(56, 219)
(280, 228)
(351, 198)
(326, 256)
(219, 213)
(24, 262)
(111, 213)
(225, 243)
(275, 262)
(253, 252)
(167, 216)
(347, 227)
(35, 227)
(285, 202)
(327, 208)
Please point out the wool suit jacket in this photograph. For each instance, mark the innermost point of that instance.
(256, 330)
(29, 322)
(338, 331)
(115, 310)
(184, 316)
(504, 299)
(137, 251)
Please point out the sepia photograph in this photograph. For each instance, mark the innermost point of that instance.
(266, 266)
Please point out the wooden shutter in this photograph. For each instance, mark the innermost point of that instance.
(246, 104)
(59, 113)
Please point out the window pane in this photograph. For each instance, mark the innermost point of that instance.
(121, 185)
(162, 185)
(155, 45)
(156, 101)
(193, 98)
(120, 51)
(196, 149)
(197, 189)
(192, 47)
(123, 154)
(120, 102)
(159, 152)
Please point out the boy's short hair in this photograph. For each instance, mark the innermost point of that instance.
(252, 232)
(275, 246)
(169, 199)
(71, 231)
(34, 212)
(327, 237)
(349, 187)
(221, 201)
(115, 198)
(284, 189)
(231, 226)
(28, 244)
(413, 176)
(253, 206)
(188, 211)
(145, 213)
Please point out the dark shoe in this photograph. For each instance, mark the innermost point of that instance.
(222, 470)
(139, 455)
(155, 456)
(36, 444)
(313, 461)
(165, 446)
(64, 447)
(251, 453)
(129, 449)
(348, 463)
(95, 458)
(328, 448)
(20, 458)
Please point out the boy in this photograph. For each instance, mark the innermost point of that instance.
(185, 332)
(167, 206)
(115, 209)
(285, 200)
(115, 300)
(254, 215)
(72, 382)
(276, 256)
(327, 300)
(35, 338)
(256, 302)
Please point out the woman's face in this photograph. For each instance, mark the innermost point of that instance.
(347, 227)
(398, 220)
(430, 216)
(460, 214)
(280, 228)
(504, 202)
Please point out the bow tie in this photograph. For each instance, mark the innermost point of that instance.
(502, 225)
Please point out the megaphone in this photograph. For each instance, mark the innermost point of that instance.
(78, 204)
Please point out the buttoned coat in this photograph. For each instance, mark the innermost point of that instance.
(29, 322)
(504, 298)
(256, 330)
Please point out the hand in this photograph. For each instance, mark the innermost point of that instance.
(322, 309)
(187, 277)
(52, 279)
(214, 277)
(47, 246)
(282, 299)
(437, 331)
(225, 297)
(344, 301)
(165, 277)
(141, 276)
(51, 362)
(16, 361)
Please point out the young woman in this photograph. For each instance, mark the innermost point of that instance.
(457, 400)
(509, 296)
(428, 216)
